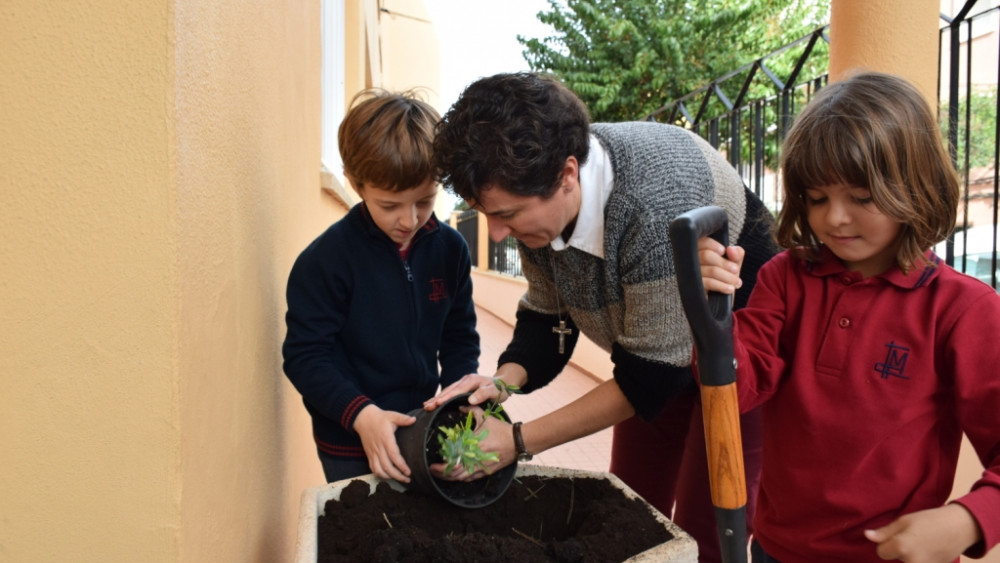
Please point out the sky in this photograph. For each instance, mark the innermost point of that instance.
(479, 38)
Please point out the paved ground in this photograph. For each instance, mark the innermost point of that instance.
(591, 453)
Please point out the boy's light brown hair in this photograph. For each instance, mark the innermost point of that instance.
(386, 140)
(876, 131)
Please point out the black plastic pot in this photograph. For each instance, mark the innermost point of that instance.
(419, 445)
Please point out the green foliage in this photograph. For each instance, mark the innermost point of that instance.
(504, 387)
(981, 108)
(626, 58)
(460, 443)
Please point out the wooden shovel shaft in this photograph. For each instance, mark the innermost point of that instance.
(710, 318)
(724, 442)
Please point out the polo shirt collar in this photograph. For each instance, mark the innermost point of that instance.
(596, 181)
(830, 265)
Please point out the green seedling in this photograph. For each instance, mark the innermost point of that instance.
(460, 446)
(460, 443)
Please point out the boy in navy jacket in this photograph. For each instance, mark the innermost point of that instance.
(383, 298)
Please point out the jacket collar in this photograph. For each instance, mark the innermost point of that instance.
(364, 218)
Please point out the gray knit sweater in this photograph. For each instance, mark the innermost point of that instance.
(627, 303)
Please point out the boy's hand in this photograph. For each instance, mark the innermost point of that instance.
(720, 265)
(928, 536)
(377, 429)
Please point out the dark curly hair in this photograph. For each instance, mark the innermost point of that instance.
(512, 131)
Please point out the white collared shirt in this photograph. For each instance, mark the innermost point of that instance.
(596, 180)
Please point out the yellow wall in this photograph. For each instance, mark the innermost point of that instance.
(247, 153)
(160, 171)
(897, 36)
(411, 50)
(89, 281)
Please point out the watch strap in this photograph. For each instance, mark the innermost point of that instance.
(522, 452)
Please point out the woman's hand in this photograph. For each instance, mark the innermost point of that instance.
(720, 265)
(483, 388)
(499, 440)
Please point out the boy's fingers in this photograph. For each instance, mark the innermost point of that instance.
(874, 535)
(887, 531)
(400, 419)
(735, 253)
(711, 245)
(886, 549)
(399, 464)
(718, 286)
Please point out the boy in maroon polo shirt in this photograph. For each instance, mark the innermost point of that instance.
(870, 356)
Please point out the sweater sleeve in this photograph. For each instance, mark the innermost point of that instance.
(317, 300)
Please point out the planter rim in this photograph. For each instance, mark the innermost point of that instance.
(681, 549)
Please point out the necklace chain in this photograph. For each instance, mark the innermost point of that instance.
(562, 330)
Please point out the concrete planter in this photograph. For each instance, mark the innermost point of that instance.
(680, 549)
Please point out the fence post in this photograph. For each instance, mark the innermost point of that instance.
(483, 250)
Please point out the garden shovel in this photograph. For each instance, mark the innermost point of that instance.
(711, 321)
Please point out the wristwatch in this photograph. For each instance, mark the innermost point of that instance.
(522, 452)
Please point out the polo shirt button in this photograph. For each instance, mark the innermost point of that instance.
(844, 322)
(846, 280)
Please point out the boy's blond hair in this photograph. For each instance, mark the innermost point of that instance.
(386, 140)
(875, 131)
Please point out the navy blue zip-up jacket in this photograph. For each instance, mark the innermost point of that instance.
(364, 326)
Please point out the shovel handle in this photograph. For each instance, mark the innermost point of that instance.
(711, 321)
(710, 317)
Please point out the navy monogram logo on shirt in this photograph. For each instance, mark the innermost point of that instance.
(895, 362)
(438, 292)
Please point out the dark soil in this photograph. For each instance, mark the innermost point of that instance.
(539, 518)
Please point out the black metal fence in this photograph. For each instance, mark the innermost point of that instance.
(467, 224)
(504, 258)
(969, 47)
(746, 113)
